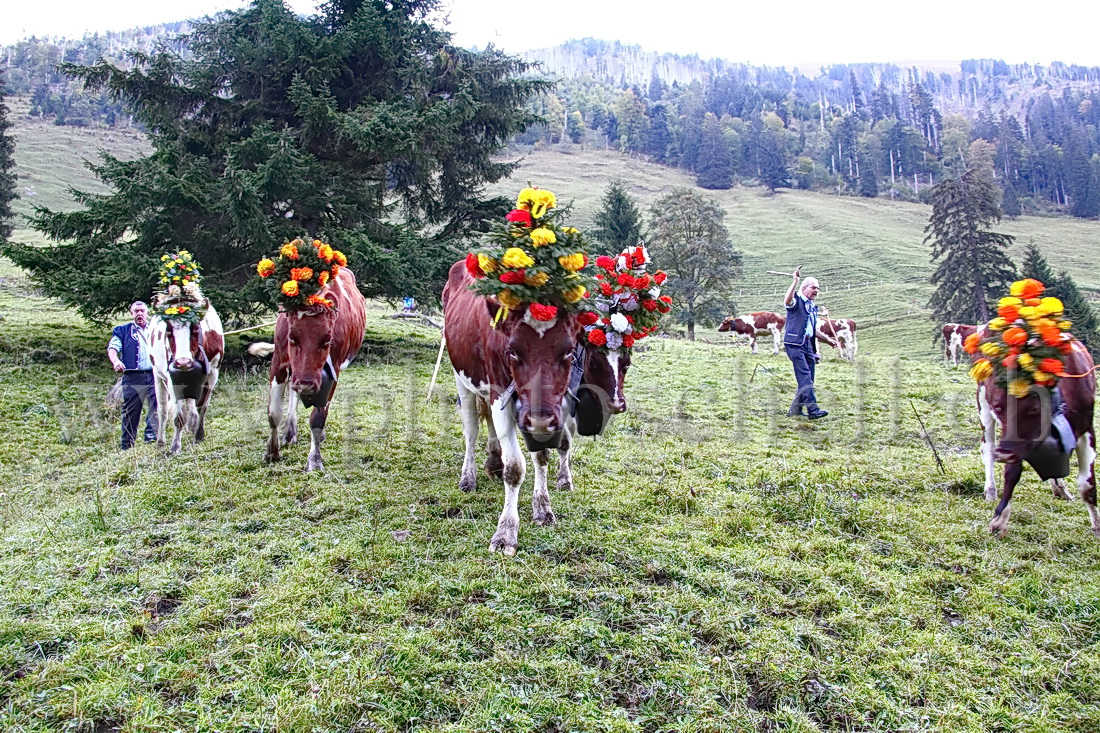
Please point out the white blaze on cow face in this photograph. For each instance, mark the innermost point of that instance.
(539, 327)
(618, 401)
(181, 338)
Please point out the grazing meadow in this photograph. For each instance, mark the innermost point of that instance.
(717, 567)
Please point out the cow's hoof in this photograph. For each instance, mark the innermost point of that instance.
(546, 519)
(991, 494)
(270, 457)
(505, 541)
(494, 466)
(467, 484)
(1060, 492)
(565, 484)
(999, 526)
(315, 465)
(200, 435)
(1096, 532)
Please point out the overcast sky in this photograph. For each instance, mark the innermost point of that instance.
(789, 33)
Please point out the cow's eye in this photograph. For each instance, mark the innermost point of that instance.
(513, 355)
(293, 341)
(326, 343)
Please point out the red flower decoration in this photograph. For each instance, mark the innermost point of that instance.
(473, 267)
(665, 299)
(642, 282)
(639, 335)
(605, 320)
(597, 337)
(629, 318)
(542, 312)
(628, 341)
(607, 263)
(519, 216)
(660, 277)
(605, 288)
(650, 305)
(588, 318)
(626, 278)
(512, 277)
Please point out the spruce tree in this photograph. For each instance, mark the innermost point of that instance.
(618, 220)
(1035, 266)
(7, 167)
(972, 264)
(363, 126)
(1086, 325)
(1010, 204)
(714, 168)
(773, 163)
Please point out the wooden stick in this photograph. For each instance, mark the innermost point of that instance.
(249, 328)
(438, 361)
(928, 438)
(784, 274)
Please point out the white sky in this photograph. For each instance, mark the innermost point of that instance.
(778, 33)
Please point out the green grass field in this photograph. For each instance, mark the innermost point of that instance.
(719, 567)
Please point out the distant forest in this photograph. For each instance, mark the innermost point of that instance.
(859, 129)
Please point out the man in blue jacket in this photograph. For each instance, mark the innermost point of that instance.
(800, 343)
(129, 356)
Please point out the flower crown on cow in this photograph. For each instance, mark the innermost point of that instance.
(1023, 344)
(531, 258)
(628, 301)
(300, 272)
(180, 298)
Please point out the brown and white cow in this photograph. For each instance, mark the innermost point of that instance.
(311, 348)
(761, 323)
(1025, 422)
(954, 334)
(175, 348)
(840, 333)
(516, 376)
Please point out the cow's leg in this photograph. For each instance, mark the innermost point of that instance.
(776, 336)
(317, 420)
(565, 456)
(204, 402)
(290, 426)
(999, 524)
(506, 538)
(468, 410)
(165, 399)
(494, 466)
(1058, 486)
(184, 409)
(541, 512)
(752, 342)
(274, 416)
(1086, 477)
(989, 435)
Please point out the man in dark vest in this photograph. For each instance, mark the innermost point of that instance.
(800, 343)
(129, 355)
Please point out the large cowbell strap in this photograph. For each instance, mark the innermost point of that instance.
(1059, 423)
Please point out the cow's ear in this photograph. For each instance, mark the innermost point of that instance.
(492, 306)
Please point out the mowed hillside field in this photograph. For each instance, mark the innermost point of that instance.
(717, 567)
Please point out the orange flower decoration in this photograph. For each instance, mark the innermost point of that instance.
(1009, 362)
(301, 273)
(1008, 312)
(290, 288)
(1052, 366)
(322, 278)
(1052, 335)
(1015, 336)
(318, 300)
(339, 258)
(971, 343)
(290, 251)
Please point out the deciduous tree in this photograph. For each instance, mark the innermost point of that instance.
(689, 241)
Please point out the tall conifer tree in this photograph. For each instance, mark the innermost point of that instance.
(363, 126)
(972, 264)
(7, 167)
(618, 221)
(715, 167)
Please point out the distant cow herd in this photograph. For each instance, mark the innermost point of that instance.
(523, 376)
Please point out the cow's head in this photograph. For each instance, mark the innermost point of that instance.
(539, 358)
(310, 335)
(184, 344)
(605, 373)
(726, 325)
(1025, 421)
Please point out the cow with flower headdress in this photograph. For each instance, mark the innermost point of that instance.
(1037, 383)
(322, 318)
(510, 324)
(185, 349)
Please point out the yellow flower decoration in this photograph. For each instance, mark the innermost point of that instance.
(517, 258)
(536, 279)
(1040, 376)
(573, 294)
(1026, 361)
(290, 251)
(290, 288)
(487, 264)
(569, 230)
(1065, 325)
(997, 324)
(542, 236)
(572, 262)
(1008, 301)
(990, 348)
(508, 299)
(536, 200)
(1050, 306)
(265, 268)
(1029, 312)
(1018, 388)
(981, 370)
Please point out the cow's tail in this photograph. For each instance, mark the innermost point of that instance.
(261, 349)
